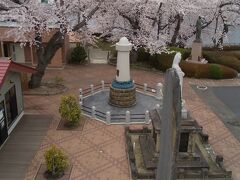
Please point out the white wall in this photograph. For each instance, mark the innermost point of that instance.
(17, 53)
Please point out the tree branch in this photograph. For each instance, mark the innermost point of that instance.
(89, 16)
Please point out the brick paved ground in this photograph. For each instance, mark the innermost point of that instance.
(98, 152)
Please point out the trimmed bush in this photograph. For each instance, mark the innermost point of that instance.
(78, 55)
(225, 48)
(56, 161)
(215, 71)
(211, 71)
(229, 59)
(58, 80)
(69, 110)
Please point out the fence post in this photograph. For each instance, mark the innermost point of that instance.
(147, 117)
(103, 85)
(80, 104)
(93, 112)
(80, 98)
(80, 91)
(92, 88)
(145, 87)
(127, 116)
(159, 91)
(108, 117)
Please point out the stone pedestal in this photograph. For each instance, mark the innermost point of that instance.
(122, 97)
(196, 53)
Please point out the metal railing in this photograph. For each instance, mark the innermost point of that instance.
(119, 118)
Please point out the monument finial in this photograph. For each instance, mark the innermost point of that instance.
(175, 65)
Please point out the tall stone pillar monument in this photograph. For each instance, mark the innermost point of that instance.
(122, 89)
(196, 54)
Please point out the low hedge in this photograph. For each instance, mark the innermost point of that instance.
(228, 59)
(225, 48)
(211, 71)
(145, 56)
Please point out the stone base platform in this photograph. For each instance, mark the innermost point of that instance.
(122, 97)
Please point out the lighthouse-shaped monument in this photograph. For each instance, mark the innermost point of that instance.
(122, 89)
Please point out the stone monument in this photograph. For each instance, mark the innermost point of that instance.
(122, 89)
(171, 113)
(196, 54)
(175, 148)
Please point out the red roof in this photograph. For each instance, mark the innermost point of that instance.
(7, 65)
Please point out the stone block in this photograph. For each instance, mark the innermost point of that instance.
(196, 51)
(122, 97)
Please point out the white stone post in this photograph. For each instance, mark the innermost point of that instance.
(92, 88)
(147, 117)
(80, 104)
(127, 116)
(93, 112)
(159, 91)
(157, 106)
(80, 91)
(123, 64)
(81, 98)
(103, 85)
(108, 117)
(184, 113)
(145, 87)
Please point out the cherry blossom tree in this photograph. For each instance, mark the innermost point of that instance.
(35, 19)
(157, 24)
(151, 24)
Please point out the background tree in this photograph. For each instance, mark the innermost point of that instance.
(35, 19)
(157, 24)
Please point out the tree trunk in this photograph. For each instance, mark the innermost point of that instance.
(45, 55)
(133, 56)
(176, 31)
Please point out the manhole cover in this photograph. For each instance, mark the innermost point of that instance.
(203, 88)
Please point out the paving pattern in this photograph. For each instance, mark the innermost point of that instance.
(21, 146)
(98, 151)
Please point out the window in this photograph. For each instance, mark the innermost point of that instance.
(44, 1)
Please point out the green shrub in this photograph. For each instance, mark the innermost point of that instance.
(56, 161)
(58, 80)
(69, 110)
(143, 56)
(155, 59)
(215, 72)
(78, 55)
(185, 52)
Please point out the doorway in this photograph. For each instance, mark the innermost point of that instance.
(3, 124)
(11, 105)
